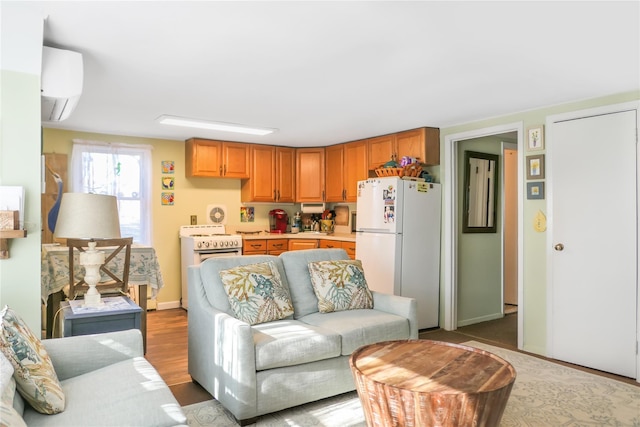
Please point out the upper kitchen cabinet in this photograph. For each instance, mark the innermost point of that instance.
(310, 175)
(216, 159)
(272, 175)
(346, 164)
(422, 143)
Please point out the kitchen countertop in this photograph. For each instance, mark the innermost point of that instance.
(349, 237)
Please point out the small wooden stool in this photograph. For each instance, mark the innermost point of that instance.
(430, 383)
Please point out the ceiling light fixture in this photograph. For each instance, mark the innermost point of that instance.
(205, 124)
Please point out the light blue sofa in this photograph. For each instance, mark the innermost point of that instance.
(106, 382)
(256, 370)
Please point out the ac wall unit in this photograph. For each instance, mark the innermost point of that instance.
(61, 83)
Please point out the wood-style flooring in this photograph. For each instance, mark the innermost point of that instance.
(167, 348)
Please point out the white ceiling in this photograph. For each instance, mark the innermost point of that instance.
(329, 72)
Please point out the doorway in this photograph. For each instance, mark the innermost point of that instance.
(451, 222)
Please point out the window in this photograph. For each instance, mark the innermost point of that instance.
(120, 170)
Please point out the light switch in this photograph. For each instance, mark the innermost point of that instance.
(540, 222)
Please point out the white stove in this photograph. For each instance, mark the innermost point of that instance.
(199, 242)
(210, 237)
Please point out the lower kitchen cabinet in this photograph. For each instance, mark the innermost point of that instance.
(254, 247)
(349, 247)
(298, 244)
(277, 246)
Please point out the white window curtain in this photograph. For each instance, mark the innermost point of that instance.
(121, 170)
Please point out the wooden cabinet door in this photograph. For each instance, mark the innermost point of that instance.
(423, 143)
(299, 244)
(350, 247)
(236, 157)
(202, 158)
(261, 186)
(355, 168)
(334, 173)
(380, 150)
(277, 246)
(254, 247)
(330, 244)
(310, 175)
(285, 174)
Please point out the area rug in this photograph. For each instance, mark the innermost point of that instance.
(544, 394)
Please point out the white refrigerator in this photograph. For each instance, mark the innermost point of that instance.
(398, 241)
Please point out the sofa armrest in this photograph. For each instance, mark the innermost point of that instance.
(401, 306)
(73, 356)
(221, 352)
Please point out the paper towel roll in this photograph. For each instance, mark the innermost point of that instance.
(312, 208)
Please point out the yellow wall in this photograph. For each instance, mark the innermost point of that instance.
(192, 195)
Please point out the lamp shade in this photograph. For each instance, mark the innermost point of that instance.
(88, 216)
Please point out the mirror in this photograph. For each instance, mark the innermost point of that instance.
(480, 188)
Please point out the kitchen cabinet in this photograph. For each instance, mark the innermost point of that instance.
(254, 247)
(272, 175)
(346, 164)
(299, 244)
(216, 159)
(422, 143)
(277, 246)
(349, 247)
(310, 174)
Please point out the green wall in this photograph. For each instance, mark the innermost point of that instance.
(20, 158)
(479, 254)
(535, 251)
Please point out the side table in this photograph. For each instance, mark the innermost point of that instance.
(118, 314)
(431, 383)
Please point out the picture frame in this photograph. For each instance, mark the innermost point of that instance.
(535, 166)
(535, 138)
(535, 190)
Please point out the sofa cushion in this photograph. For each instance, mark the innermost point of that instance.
(289, 342)
(340, 285)
(35, 377)
(296, 267)
(256, 293)
(212, 282)
(127, 393)
(361, 327)
(9, 416)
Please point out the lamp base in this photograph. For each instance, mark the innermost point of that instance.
(92, 300)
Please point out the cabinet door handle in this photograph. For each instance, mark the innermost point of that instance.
(254, 245)
(221, 170)
(278, 195)
(274, 195)
(344, 194)
(323, 195)
(225, 169)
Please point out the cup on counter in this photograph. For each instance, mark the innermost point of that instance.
(295, 230)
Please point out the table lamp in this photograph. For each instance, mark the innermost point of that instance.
(91, 217)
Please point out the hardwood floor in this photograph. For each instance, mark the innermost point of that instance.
(167, 348)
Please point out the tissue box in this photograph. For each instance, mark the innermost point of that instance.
(9, 220)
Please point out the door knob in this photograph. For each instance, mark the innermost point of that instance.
(559, 247)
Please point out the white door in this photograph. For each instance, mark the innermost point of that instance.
(592, 167)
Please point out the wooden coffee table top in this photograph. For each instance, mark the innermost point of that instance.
(425, 366)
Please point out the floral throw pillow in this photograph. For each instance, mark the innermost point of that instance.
(340, 285)
(256, 293)
(35, 377)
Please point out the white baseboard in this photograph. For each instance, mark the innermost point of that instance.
(168, 305)
(480, 319)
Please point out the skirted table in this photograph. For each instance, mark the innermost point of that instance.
(425, 383)
(144, 270)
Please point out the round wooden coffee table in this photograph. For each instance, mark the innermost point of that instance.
(431, 383)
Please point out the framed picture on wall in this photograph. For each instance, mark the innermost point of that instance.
(535, 138)
(535, 167)
(535, 190)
